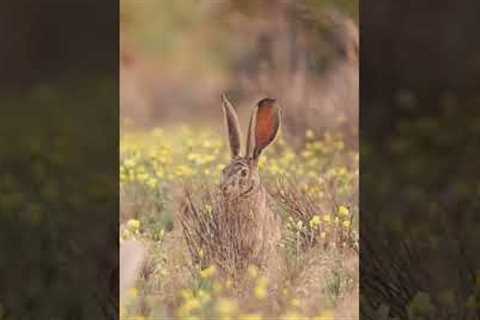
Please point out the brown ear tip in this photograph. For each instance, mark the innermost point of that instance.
(266, 102)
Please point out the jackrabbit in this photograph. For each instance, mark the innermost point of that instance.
(239, 229)
(243, 192)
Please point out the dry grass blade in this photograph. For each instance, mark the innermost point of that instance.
(312, 222)
(216, 234)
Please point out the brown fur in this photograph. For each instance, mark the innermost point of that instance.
(244, 230)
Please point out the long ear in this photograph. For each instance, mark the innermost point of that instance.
(263, 127)
(233, 126)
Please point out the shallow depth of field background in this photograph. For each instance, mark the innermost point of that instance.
(176, 59)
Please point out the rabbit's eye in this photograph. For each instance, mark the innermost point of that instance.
(244, 172)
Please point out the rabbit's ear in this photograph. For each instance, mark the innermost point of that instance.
(233, 126)
(263, 127)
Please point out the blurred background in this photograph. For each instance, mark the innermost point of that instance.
(176, 57)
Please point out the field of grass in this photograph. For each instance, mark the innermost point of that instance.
(315, 192)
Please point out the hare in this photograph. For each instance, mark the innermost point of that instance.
(243, 192)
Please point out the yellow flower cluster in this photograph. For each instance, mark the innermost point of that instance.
(131, 229)
(208, 272)
(151, 159)
(261, 288)
(161, 156)
(322, 227)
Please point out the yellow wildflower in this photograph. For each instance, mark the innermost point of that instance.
(262, 161)
(209, 209)
(314, 222)
(187, 307)
(183, 171)
(343, 211)
(133, 292)
(274, 168)
(160, 173)
(208, 272)
(130, 163)
(204, 296)
(186, 294)
(260, 292)
(152, 183)
(261, 288)
(226, 307)
(295, 302)
(191, 304)
(252, 271)
(161, 234)
(142, 177)
(133, 225)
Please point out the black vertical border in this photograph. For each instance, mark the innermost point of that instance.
(59, 141)
(419, 168)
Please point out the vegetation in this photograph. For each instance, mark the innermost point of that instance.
(314, 190)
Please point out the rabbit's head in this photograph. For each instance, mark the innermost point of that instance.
(240, 178)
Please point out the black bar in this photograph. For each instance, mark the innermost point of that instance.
(59, 159)
(419, 137)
